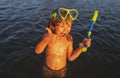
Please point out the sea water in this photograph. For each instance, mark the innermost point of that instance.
(22, 25)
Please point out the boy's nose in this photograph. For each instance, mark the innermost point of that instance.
(65, 29)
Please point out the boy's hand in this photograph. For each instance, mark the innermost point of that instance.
(86, 42)
(48, 30)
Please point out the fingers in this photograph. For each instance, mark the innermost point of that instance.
(87, 42)
(86, 39)
(81, 45)
(48, 30)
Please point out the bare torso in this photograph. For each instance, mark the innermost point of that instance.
(56, 52)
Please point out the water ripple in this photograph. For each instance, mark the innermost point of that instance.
(22, 25)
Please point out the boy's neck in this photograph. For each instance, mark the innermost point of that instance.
(61, 37)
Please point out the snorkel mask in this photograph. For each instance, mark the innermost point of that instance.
(63, 13)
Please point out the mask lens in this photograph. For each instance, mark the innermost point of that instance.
(63, 13)
(73, 14)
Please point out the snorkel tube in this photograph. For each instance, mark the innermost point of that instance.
(93, 20)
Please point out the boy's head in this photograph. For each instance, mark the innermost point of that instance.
(61, 21)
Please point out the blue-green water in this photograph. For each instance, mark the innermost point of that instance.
(22, 24)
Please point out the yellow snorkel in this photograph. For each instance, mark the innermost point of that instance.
(93, 20)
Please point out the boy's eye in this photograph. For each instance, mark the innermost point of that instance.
(69, 26)
(61, 26)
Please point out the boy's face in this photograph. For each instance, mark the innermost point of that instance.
(63, 28)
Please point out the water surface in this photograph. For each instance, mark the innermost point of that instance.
(22, 24)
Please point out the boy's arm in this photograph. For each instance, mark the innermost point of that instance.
(72, 55)
(42, 44)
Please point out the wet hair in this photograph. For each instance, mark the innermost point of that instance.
(54, 21)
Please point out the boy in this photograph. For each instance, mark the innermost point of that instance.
(59, 43)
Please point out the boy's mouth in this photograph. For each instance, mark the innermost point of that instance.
(63, 34)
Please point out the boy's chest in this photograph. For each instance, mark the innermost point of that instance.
(58, 44)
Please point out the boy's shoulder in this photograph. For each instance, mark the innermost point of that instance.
(48, 35)
(69, 38)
